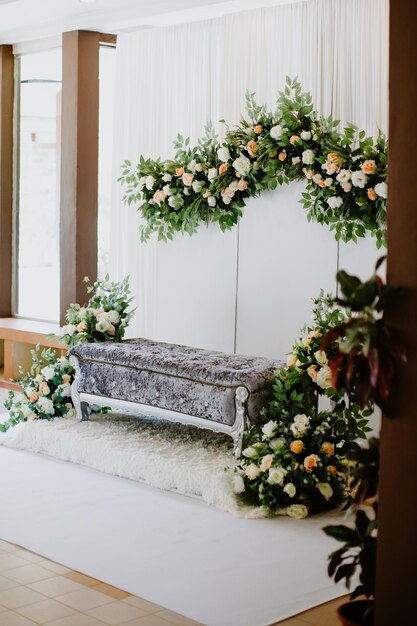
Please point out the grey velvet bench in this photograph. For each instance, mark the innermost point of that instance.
(212, 390)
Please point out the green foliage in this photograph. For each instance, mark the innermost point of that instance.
(345, 172)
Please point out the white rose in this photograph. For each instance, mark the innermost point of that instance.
(324, 377)
(238, 484)
(300, 425)
(82, 314)
(242, 165)
(329, 181)
(321, 357)
(211, 201)
(46, 405)
(276, 131)
(296, 160)
(198, 167)
(20, 398)
(252, 471)
(266, 462)
(102, 325)
(276, 475)
(197, 186)
(226, 199)
(69, 329)
(39, 378)
(70, 413)
(65, 390)
(317, 178)
(325, 490)
(48, 372)
(298, 511)
(25, 409)
(308, 157)
(290, 489)
(149, 182)
(270, 429)
(279, 442)
(359, 179)
(167, 190)
(381, 190)
(113, 317)
(250, 452)
(167, 178)
(212, 173)
(334, 202)
(223, 154)
(63, 361)
(344, 176)
(305, 135)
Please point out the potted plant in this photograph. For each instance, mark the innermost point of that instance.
(359, 542)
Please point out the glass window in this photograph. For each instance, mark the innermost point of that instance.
(37, 172)
(106, 110)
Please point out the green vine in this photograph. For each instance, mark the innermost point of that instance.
(345, 172)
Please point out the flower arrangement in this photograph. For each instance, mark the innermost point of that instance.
(345, 172)
(47, 386)
(104, 318)
(46, 390)
(295, 463)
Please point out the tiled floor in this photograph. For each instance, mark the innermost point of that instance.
(34, 590)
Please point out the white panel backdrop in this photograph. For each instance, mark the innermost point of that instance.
(247, 290)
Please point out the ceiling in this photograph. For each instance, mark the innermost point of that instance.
(27, 20)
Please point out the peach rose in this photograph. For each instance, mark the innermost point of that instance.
(44, 389)
(310, 462)
(333, 163)
(66, 378)
(369, 167)
(33, 397)
(242, 185)
(332, 469)
(179, 171)
(252, 147)
(297, 446)
(282, 155)
(321, 183)
(312, 372)
(187, 179)
(372, 194)
(328, 448)
(82, 326)
(294, 139)
(228, 192)
(223, 168)
(32, 417)
(291, 360)
(347, 187)
(159, 195)
(258, 129)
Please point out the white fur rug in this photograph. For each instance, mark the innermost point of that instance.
(172, 457)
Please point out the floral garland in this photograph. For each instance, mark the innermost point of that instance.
(345, 173)
(295, 463)
(47, 386)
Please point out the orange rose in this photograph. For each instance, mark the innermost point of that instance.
(294, 139)
(327, 448)
(332, 470)
(242, 185)
(252, 147)
(333, 163)
(321, 183)
(223, 168)
(179, 171)
(282, 155)
(258, 129)
(312, 372)
(369, 167)
(297, 446)
(310, 462)
(371, 194)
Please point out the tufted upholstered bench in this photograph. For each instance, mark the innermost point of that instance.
(213, 390)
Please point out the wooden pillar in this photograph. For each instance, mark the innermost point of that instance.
(79, 165)
(6, 177)
(397, 539)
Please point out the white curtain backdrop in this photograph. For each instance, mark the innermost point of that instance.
(247, 290)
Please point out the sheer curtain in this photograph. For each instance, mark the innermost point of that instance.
(248, 289)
